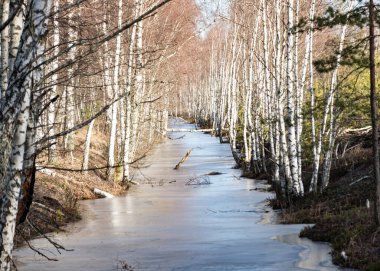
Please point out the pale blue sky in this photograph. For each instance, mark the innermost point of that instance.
(211, 9)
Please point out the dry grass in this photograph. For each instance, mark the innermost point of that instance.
(81, 184)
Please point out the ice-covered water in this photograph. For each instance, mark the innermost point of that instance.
(164, 224)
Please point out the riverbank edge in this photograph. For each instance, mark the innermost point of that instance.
(342, 215)
(57, 190)
(271, 216)
(56, 206)
(339, 216)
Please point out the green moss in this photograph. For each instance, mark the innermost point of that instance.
(373, 266)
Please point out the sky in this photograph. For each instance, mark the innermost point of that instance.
(210, 9)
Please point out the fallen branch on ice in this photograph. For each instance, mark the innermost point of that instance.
(103, 193)
(190, 130)
(212, 173)
(201, 180)
(183, 159)
(177, 138)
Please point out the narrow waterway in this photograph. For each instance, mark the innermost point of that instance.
(164, 224)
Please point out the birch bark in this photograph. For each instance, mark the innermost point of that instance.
(114, 107)
(15, 29)
(4, 65)
(86, 151)
(128, 105)
(138, 80)
(70, 102)
(19, 99)
(329, 99)
(54, 87)
(296, 182)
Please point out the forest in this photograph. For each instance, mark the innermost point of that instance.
(88, 89)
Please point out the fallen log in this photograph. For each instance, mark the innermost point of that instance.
(183, 159)
(214, 173)
(359, 131)
(177, 138)
(190, 130)
(359, 180)
(40, 205)
(103, 193)
(46, 171)
(134, 182)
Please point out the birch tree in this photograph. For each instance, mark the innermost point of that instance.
(114, 107)
(70, 90)
(18, 97)
(4, 46)
(328, 108)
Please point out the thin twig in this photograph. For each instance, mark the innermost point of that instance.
(57, 246)
(38, 251)
(361, 179)
(89, 169)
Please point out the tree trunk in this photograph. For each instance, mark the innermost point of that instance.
(297, 185)
(19, 99)
(138, 81)
(329, 99)
(86, 151)
(4, 65)
(15, 33)
(70, 102)
(115, 93)
(375, 133)
(54, 87)
(13, 178)
(128, 105)
(314, 180)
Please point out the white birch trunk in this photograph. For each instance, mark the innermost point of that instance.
(275, 109)
(4, 65)
(54, 87)
(70, 102)
(138, 80)
(296, 182)
(313, 184)
(128, 106)
(127, 143)
(19, 100)
(15, 34)
(11, 195)
(329, 99)
(114, 107)
(332, 125)
(87, 145)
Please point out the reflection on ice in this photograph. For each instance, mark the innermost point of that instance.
(314, 256)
